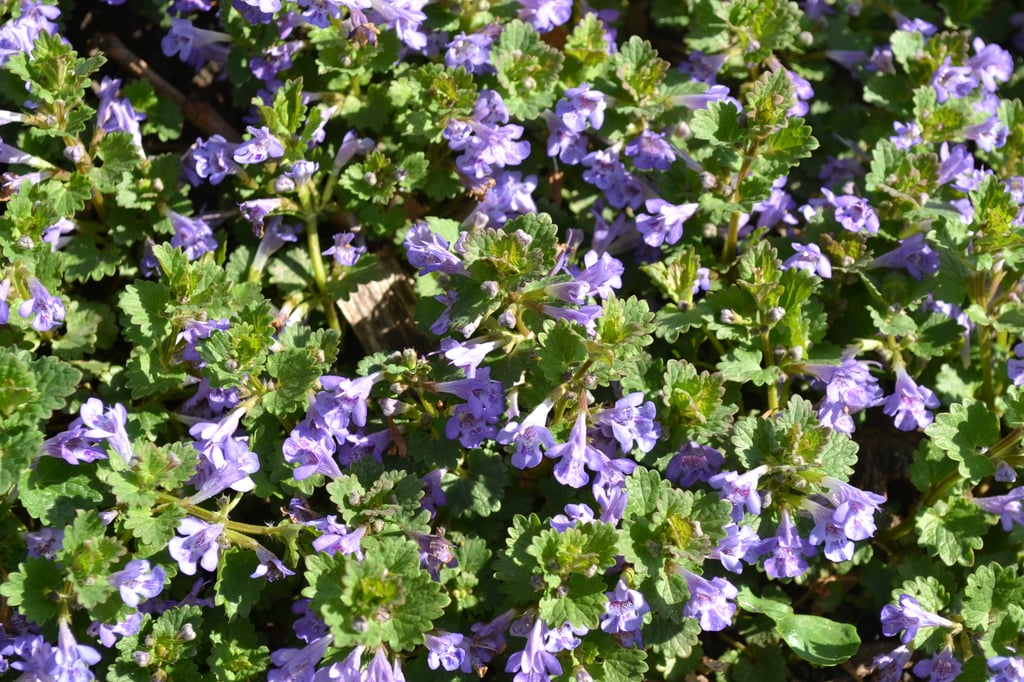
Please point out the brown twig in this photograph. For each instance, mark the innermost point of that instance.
(198, 113)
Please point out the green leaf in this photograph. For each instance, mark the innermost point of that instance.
(744, 366)
(964, 433)
(479, 486)
(144, 304)
(694, 402)
(587, 48)
(989, 593)
(718, 122)
(33, 588)
(952, 530)
(54, 490)
(236, 591)
(818, 640)
(528, 70)
(89, 557)
(639, 69)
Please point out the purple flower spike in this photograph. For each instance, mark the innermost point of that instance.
(914, 255)
(138, 581)
(942, 667)
(1008, 507)
(200, 543)
(828, 531)
(428, 252)
(574, 514)
(260, 147)
(580, 106)
(787, 551)
(650, 151)
(909, 404)
(545, 15)
(909, 616)
(710, 601)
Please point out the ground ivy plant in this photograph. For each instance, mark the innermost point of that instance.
(373, 340)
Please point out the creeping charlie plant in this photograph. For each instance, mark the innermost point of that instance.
(378, 340)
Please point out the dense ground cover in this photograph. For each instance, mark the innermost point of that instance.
(373, 340)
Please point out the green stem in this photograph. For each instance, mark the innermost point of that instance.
(214, 517)
(769, 358)
(732, 238)
(313, 246)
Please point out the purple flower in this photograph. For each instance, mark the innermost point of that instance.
(108, 634)
(428, 252)
(511, 195)
(488, 640)
(703, 67)
(625, 611)
(70, 660)
(260, 147)
(664, 225)
(890, 666)
(270, 566)
(602, 273)
(694, 462)
(336, 538)
(740, 544)
(209, 159)
(116, 114)
(5, 308)
(913, 254)
(954, 163)
(810, 258)
(1008, 507)
(740, 489)
(320, 12)
(472, 52)
(909, 616)
(1015, 366)
(45, 310)
(580, 106)
(545, 15)
(710, 601)
(990, 63)
(650, 151)
(534, 662)
(787, 551)
(909, 403)
(45, 542)
(529, 437)
(942, 667)
(344, 252)
(906, 135)
(990, 134)
(435, 553)
(828, 531)
(195, 46)
(294, 665)
(447, 650)
(311, 446)
(256, 211)
(192, 235)
(574, 514)
(630, 423)
(107, 424)
(953, 81)
(199, 543)
(1006, 669)
(138, 581)
(855, 509)
(574, 455)
(483, 396)
(853, 213)
(849, 388)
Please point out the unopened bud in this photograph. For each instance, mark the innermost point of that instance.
(187, 633)
(728, 316)
(776, 313)
(142, 658)
(490, 287)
